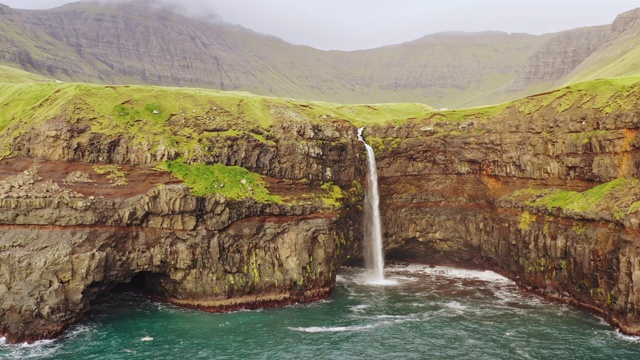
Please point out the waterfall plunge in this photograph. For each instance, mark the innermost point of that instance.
(373, 257)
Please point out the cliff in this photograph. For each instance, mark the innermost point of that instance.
(221, 200)
(616, 57)
(558, 57)
(86, 207)
(543, 190)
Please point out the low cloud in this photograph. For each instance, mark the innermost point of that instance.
(195, 9)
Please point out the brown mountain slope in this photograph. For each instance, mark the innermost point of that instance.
(142, 44)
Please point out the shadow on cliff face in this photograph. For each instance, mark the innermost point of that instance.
(144, 283)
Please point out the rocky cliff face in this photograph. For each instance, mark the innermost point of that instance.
(68, 233)
(545, 190)
(617, 56)
(558, 56)
(479, 193)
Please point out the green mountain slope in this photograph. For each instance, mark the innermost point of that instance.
(12, 75)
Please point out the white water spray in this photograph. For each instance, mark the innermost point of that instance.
(373, 257)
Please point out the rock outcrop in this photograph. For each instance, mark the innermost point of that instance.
(67, 234)
(477, 193)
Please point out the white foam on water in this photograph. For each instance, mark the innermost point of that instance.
(484, 275)
(359, 308)
(35, 350)
(454, 305)
(628, 338)
(395, 319)
(35, 344)
(512, 295)
(404, 279)
(321, 329)
(146, 338)
(382, 282)
(76, 330)
(3, 340)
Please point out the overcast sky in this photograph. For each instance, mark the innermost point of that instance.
(360, 24)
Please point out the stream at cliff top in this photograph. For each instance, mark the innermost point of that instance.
(439, 313)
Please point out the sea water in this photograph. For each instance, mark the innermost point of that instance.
(431, 313)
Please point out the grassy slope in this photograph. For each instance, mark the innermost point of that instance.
(617, 198)
(13, 75)
(621, 58)
(144, 111)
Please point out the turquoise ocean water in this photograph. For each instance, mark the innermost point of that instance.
(439, 313)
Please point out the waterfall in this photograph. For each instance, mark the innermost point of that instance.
(373, 257)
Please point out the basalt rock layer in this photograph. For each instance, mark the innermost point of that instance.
(69, 232)
(545, 190)
(546, 198)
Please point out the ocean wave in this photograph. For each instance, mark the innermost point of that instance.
(35, 350)
(76, 330)
(627, 338)
(387, 320)
(358, 308)
(320, 329)
(454, 305)
(483, 275)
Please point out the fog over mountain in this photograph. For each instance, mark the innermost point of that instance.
(361, 24)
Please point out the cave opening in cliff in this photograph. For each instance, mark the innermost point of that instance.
(144, 283)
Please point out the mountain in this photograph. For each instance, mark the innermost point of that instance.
(145, 44)
(618, 56)
(556, 58)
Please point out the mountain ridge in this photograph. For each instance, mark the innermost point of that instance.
(135, 45)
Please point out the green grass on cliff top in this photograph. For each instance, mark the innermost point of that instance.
(144, 111)
(125, 109)
(578, 201)
(178, 117)
(603, 95)
(181, 118)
